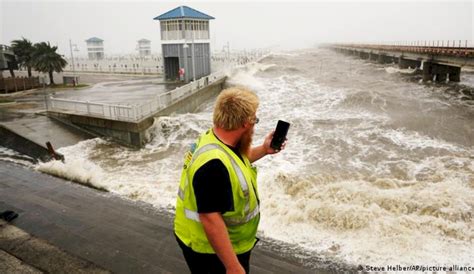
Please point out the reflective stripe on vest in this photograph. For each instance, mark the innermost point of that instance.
(230, 221)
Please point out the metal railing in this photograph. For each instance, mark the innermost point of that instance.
(131, 113)
(458, 48)
(421, 43)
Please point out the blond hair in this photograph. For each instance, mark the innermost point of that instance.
(234, 107)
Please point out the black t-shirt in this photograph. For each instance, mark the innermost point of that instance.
(212, 187)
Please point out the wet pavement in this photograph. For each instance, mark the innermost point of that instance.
(120, 92)
(102, 88)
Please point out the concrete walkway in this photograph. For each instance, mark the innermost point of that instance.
(103, 229)
(19, 251)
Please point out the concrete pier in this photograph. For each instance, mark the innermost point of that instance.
(454, 74)
(427, 71)
(372, 56)
(384, 59)
(133, 133)
(440, 73)
(29, 136)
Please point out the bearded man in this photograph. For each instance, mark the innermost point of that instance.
(217, 209)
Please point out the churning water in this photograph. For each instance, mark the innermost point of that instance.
(378, 169)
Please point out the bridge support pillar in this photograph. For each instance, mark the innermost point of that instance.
(441, 72)
(441, 77)
(427, 71)
(384, 59)
(381, 59)
(373, 56)
(454, 74)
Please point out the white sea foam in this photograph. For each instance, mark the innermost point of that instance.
(77, 167)
(392, 70)
(244, 75)
(12, 156)
(358, 221)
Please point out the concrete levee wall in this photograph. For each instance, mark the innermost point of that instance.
(126, 133)
(12, 140)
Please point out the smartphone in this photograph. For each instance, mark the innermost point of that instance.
(279, 136)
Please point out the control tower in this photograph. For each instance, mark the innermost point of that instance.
(185, 43)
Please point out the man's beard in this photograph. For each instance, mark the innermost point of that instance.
(245, 142)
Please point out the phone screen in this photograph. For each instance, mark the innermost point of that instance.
(280, 134)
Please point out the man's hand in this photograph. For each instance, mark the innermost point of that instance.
(268, 141)
(265, 149)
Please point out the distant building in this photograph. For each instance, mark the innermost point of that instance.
(144, 47)
(185, 43)
(95, 48)
(7, 58)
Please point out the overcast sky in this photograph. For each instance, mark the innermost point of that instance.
(245, 25)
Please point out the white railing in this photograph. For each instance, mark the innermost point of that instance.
(423, 43)
(109, 111)
(132, 113)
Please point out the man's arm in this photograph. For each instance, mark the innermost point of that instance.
(216, 232)
(257, 153)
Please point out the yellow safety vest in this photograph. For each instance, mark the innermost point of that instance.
(241, 223)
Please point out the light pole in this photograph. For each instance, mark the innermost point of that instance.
(185, 49)
(227, 53)
(186, 46)
(192, 56)
(72, 60)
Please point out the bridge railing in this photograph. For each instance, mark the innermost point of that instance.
(457, 48)
(131, 113)
(422, 43)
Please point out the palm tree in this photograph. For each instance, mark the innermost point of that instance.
(24, 49)
(46, 59)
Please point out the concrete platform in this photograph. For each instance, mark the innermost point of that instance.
(41, 129)
(101, 228)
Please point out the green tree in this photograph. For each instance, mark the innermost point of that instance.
(47, 60)
(24, 50)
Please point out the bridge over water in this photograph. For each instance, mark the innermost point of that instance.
(439, 61)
